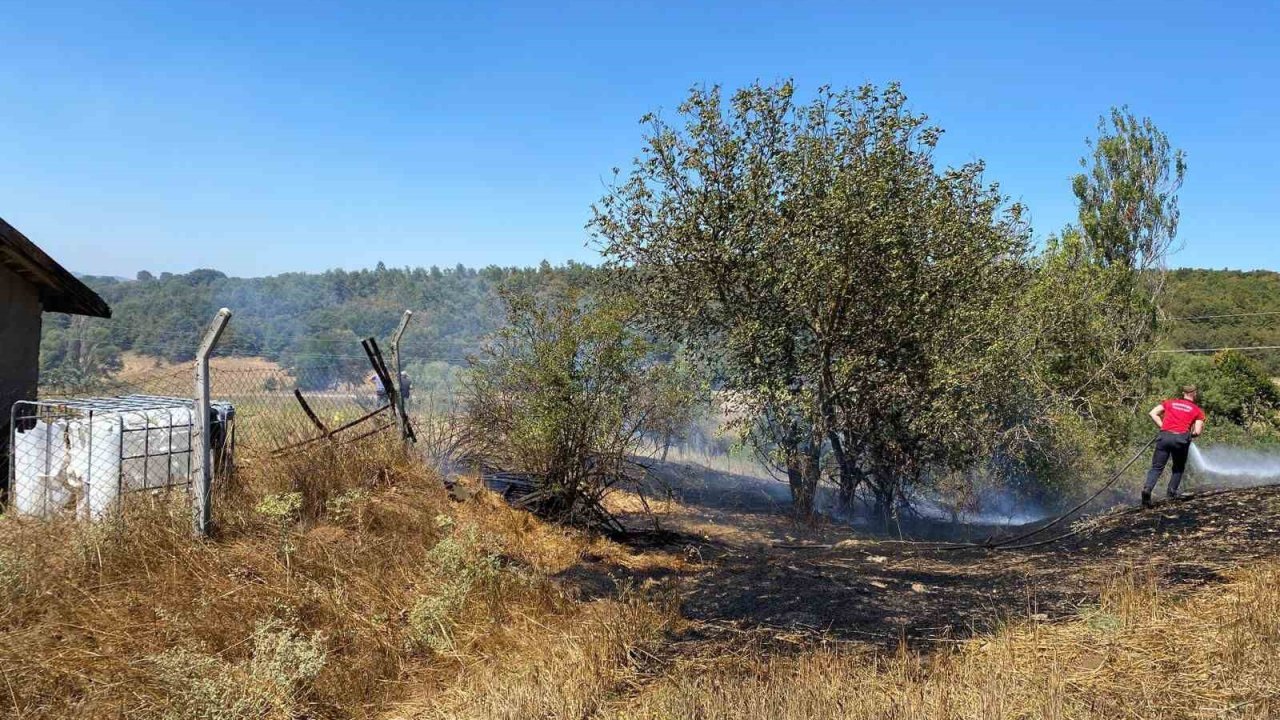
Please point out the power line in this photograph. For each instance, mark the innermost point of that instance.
(1221, 349)
(1227, 315)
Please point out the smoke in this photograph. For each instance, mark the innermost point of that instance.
(991, 507)
(1238, 467)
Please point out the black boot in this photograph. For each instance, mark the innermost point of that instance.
(1146, 498)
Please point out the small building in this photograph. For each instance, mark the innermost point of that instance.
(31, 282)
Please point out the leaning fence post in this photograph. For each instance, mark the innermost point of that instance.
(202, 482)
(399, 378)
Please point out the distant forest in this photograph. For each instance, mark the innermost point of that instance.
(300, 318)
(1201, 294)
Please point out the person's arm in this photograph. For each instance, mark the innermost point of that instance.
(1197, 427)
(1157, 415)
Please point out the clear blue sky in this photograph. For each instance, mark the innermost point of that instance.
(266, 137)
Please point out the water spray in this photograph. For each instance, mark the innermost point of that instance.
(1240, 467)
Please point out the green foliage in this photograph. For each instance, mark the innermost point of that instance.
(561, 392)
(271, 683)
(1090, 332)
(282, 507)
(1090, 309)
(435, 383)
(347, 507)
(1097, 286)
(845, 289)
(460, 565)
(1198, 293)
(76, 350)
(1233, 388)
(1128, 193)
(300, 320)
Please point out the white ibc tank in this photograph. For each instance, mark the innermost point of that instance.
(39, 470)
(85, 462)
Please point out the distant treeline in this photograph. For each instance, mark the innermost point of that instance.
(298, 319)
(1200, 293)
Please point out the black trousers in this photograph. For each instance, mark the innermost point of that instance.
(1173, 446)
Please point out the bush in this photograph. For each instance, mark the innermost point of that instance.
(563, 393)
(458, 565)
(272, 683)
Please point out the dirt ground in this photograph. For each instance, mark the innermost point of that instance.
(762, 574)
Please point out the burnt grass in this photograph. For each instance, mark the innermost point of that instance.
(762, 575)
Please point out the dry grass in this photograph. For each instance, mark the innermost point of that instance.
(337, 583)
(138, 366)
(1139, 654)
(348, 585)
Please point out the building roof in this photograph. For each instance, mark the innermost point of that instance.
(60, 291)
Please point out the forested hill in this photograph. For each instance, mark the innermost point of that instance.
(286, 317)
(1200, 293)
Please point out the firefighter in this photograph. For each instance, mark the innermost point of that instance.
(1180, 421)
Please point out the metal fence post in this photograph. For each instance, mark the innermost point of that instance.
(399, 378)
(202, 482)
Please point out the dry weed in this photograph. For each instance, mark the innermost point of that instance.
(1138, 654)
(308, 603)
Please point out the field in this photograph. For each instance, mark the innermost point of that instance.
(351, 585)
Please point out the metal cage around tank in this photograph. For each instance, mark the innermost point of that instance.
(81, 456)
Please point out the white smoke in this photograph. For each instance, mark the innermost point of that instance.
(991, 507)
(1236, 466)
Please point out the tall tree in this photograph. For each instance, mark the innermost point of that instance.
(844, 287)
(1128, 192)
(1090, 313)
(76, 350)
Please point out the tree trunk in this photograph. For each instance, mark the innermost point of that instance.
(883, 492)
(803, 472)
(800, 502)
(850, 476)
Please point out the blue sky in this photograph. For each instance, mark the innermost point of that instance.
(266, 137)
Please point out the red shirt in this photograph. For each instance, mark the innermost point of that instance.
(1179, 415)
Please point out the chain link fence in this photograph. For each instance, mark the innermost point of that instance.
(81, 448)
(334, 397)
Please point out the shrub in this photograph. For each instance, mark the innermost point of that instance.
(564, 392)
(271, 683)
(458, 564)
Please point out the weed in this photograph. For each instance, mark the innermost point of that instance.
(271, 683)
(459, 565)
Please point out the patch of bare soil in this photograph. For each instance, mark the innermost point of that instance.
(761, 573)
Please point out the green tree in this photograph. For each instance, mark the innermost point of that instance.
(1128, 219)
(77, 351)
(1089, 316)
(1233, 387)
(1128, 192)
(846, 290)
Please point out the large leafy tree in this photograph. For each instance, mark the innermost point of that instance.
(1099, 282)
(846, 289)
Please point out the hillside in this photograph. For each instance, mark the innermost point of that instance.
(1197, 293)
(288, 318)
(349, 586)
